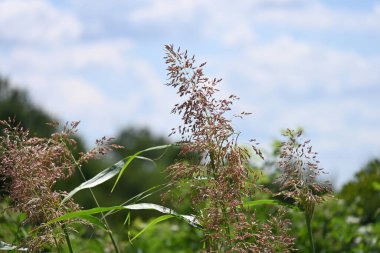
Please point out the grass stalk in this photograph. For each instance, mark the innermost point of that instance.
(56, 244)
(308, 217)
(109, 232)
(67, 238)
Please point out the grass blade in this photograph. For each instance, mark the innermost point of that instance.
(269, 202)
(116, 169)
(188, 218)
(152, 223)
(7, 247)
(79, 214)
(94, 220)
(142, 206)
(140, 196)
(261, 202)
(132, 157)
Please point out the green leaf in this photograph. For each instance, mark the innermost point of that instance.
(142, 206)
(105, 175)
(79, 214)
(100, 178)
(152, 223)
(6, 247)
(129, 159)
(376, 186)
(261, 202)
(188, 218)
(268, 202)
(94, 220)
(140, 196)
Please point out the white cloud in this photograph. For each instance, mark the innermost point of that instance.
(237, 23)
(56, 82)
(107, 54)
(229, 23)
(36, 21)
(318, 16)
(166, 10)
(224, 21)
(286, 65)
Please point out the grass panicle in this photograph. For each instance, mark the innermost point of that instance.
(219, 176)
(299, 180)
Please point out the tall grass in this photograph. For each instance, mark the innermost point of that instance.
(213, 172)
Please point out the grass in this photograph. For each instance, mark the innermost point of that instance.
(213, 173)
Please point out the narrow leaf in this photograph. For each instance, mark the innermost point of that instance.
(269, 202)
(131, 158)
(94, 220)
(152, 223)
(7, 247)
(188, 218)
(261, 202)
(79, 214)
(100, 178)
(142, 206)
(110, 172)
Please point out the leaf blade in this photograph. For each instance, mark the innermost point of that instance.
(132, 157)
(268, 202)
(152, 223)
(142, 206)
(116, 169)
(7, 247)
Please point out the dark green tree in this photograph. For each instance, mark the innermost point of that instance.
(142, 175)
(350, 222)
(364, 192)
(15, 103)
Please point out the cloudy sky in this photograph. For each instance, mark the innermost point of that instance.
(308, 63)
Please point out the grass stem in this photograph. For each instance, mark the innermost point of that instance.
(67, 238)
(109, 232)
(308, 217)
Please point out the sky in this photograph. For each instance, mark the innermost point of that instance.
(294, 63)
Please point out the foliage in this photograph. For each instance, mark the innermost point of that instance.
(166, 237)
(364, 191)
(337, 228)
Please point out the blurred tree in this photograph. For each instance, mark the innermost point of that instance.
(142, 175)
(364, 192)
(15, 103)
(350, 222)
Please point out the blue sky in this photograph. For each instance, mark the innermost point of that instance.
(308, 63)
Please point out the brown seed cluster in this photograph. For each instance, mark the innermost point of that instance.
(30, 166)
(299, 181)
(218, 175)
(300, 169)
